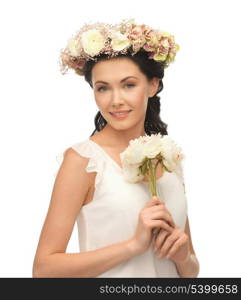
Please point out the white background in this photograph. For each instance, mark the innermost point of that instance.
(43, 112)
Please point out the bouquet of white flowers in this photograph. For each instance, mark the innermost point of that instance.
(137, 159)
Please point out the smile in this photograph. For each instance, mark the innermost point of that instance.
(120, 115)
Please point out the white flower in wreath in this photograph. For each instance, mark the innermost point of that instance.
(93, 42)
(119, 41)
(74, 47)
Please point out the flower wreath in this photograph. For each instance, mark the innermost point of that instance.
(95, 39)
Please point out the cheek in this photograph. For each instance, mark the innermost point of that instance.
(139, 99)
(101, 103)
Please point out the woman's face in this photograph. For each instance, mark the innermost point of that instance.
(118, 84)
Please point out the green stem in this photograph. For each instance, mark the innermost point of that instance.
(158, 161)
(149, 177)
(152, 178)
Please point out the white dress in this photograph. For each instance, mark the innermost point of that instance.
(112, 214)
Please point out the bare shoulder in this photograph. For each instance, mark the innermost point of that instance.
(69, 192)
(72, 175)
(73, 166)
(72, 155)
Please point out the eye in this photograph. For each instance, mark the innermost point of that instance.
(103, 87)
(100, 88)
(130, 84)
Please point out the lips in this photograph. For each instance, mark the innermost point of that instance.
(120, 114)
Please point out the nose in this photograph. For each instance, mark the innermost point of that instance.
(116, 97)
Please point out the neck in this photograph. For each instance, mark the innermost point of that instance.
(122, 137)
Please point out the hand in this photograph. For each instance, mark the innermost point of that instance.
(174, 245)
(153, 216)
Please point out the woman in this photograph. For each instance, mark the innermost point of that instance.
(122, 233)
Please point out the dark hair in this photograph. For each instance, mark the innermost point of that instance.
(150, 68)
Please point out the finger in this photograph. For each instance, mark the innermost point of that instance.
(155, 231)
(151, 202)
(157, 207)
(158, 199)
(172, 223)
(161, 208)
(168, 212)
(160, 215)
(163, 216)
(154, 201)
(161, 202)
(168, 243)
(160, 224)
(172, 251)
(160, 238)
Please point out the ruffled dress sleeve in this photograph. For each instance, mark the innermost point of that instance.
(96, 161)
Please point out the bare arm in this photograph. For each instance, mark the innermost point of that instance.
(70, 189)
(189, 267)
(86, 264)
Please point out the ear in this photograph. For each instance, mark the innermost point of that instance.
(154, 84)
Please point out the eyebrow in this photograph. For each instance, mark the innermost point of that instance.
(100, 81)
